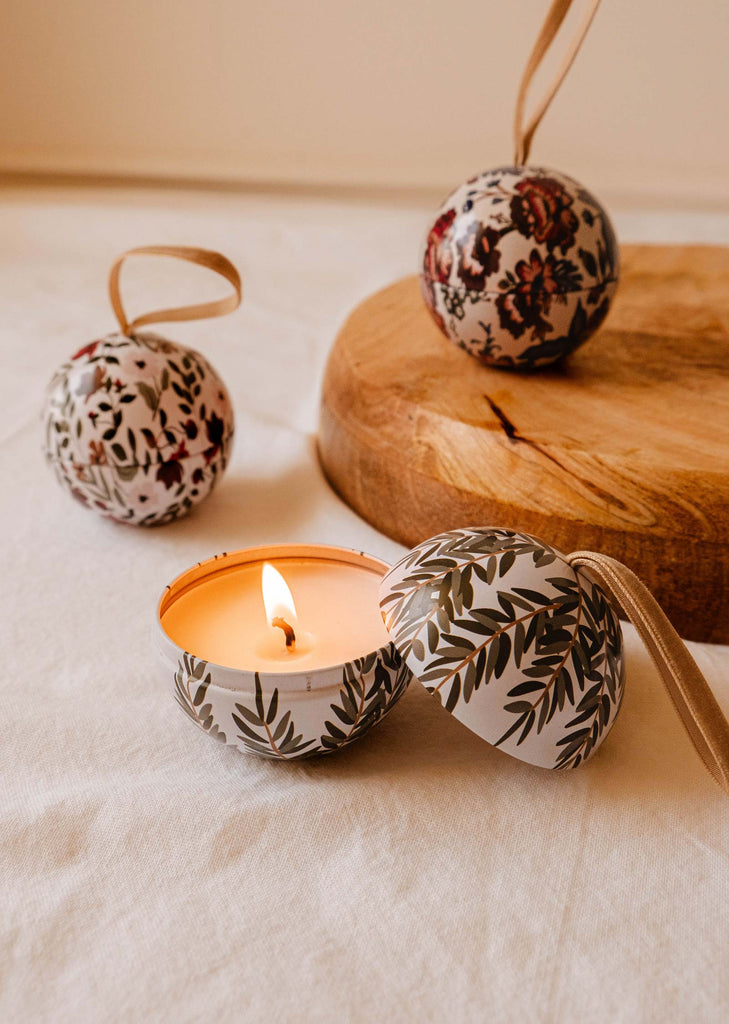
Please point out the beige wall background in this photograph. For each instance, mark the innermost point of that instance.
(408, 94)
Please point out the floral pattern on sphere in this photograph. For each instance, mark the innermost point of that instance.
(138, 428)
(523, 649)
(520, 266)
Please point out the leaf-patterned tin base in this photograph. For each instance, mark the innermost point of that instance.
(513, 641)
(276, 722)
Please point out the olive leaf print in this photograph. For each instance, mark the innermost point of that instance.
(370, 688)
(433, 595)
(504, 633)
(579, 646)
(263, 724)
(266, 732)
(192, 680)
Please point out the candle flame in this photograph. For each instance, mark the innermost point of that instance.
(277, 599)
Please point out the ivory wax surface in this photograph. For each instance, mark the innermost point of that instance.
(222, 619)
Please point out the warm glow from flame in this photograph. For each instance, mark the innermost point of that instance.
(277, 598)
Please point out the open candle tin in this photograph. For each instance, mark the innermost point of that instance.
(288, 712)
(518, 644)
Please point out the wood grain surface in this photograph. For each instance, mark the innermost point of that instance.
(624, 449)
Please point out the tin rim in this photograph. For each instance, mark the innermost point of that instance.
(238, 679)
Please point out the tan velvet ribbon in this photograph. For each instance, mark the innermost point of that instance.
(203, 258)
(556, 15)
(701, 715)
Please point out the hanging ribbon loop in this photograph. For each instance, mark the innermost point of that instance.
(697, 706)
(556, 15)
(201, 311)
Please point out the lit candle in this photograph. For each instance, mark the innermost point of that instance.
(221, 614)
(279, 604)
(262, 634)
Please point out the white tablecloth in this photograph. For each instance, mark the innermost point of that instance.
(148, 874)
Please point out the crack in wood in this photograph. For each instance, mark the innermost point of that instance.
(515, 437)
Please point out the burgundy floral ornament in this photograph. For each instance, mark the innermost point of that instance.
(511, 639)
(138, 428)
(520, 266)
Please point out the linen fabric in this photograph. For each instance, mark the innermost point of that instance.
(420, 875)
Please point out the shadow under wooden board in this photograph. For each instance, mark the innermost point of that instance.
(624, 449)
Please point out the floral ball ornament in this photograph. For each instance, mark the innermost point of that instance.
(138, 428)
(520, 266)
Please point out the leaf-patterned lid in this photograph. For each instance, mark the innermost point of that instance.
(513, 641)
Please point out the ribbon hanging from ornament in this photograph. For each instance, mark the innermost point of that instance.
(697, 706)
(202, 258)
(558, 11)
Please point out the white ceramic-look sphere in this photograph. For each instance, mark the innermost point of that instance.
(511, 639)
(138, 428)
(520, 266)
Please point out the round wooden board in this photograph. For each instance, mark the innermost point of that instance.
(624, 449)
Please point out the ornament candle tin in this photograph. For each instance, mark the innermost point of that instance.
(521, 643)
(514, 642)
(275, 704)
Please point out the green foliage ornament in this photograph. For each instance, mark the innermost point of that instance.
(517, 644)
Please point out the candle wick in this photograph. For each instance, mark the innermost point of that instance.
(281, 623)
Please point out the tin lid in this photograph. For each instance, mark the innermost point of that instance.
(515, 643)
